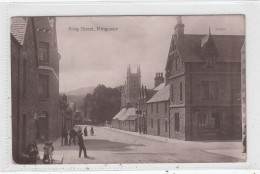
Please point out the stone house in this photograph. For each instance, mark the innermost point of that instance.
(50, 118)
(204, 77)
(158, 112)
(24, 84)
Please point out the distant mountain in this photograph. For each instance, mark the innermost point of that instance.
(81, 91)
(77, 96)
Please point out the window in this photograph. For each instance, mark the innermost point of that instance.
(209, 61)
(43, 86)
(209, 90)
(202, 120)
(165, 107)
(166, 126)
(157, 107)
(24, 77)
(177, 122)
(209, 120)
(172, 94)
(151, 107)
(180, 91)
(44, 52)
(151, 123)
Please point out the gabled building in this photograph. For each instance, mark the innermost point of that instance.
(204, 77)
(24, 84)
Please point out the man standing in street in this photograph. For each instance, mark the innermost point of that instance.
(81, 144)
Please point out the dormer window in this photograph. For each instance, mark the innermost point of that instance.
(209, 61)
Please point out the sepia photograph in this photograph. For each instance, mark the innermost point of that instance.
(128, 89)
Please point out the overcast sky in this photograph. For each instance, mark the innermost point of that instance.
(89, 58)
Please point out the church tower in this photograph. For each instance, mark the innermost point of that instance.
(133, 84)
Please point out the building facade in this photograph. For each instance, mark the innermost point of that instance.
(24, 81)
(158, 113)
(204, 77)
(48, 57)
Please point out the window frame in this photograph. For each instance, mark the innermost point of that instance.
(42, 46)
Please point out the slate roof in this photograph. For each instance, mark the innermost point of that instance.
(18, 28)
(125, 114)
(190, 46)
(162, 95)
(129, 112)
(159, 87)
(121, 112)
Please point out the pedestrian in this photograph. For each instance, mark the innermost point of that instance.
(81, 144)
(46, 153)
(31, 155)
(51, 149)
(86, 131)
(65, 136)
(71, 134)
(91, 131)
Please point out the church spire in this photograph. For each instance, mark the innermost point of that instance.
(138, 69)
(179, 27)
(128, 70)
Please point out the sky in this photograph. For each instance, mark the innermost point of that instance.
(90, 56)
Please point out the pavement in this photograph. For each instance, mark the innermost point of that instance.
(114, 146)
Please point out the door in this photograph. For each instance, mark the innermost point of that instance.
(158, 127)
(43, 125)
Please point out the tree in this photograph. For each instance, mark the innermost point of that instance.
(103, 104)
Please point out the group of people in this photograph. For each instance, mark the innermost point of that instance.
(72, 138)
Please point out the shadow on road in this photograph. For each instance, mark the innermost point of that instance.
(107, 145)
(101, 145)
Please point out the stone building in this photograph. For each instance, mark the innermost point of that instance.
(24, 84)
(204, 76)
(158, 113)
(48, 57)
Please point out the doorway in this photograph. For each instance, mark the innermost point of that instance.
(44, 125)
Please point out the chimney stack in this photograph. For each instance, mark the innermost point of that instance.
(159, 79)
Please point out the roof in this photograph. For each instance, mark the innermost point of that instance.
(121, 112)
(125, 114)
(162, 95)
(159, 87)
(18, 28)
(190, 46)
(129, 112)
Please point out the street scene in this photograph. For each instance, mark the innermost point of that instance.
(120, 89)
(110, 146)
